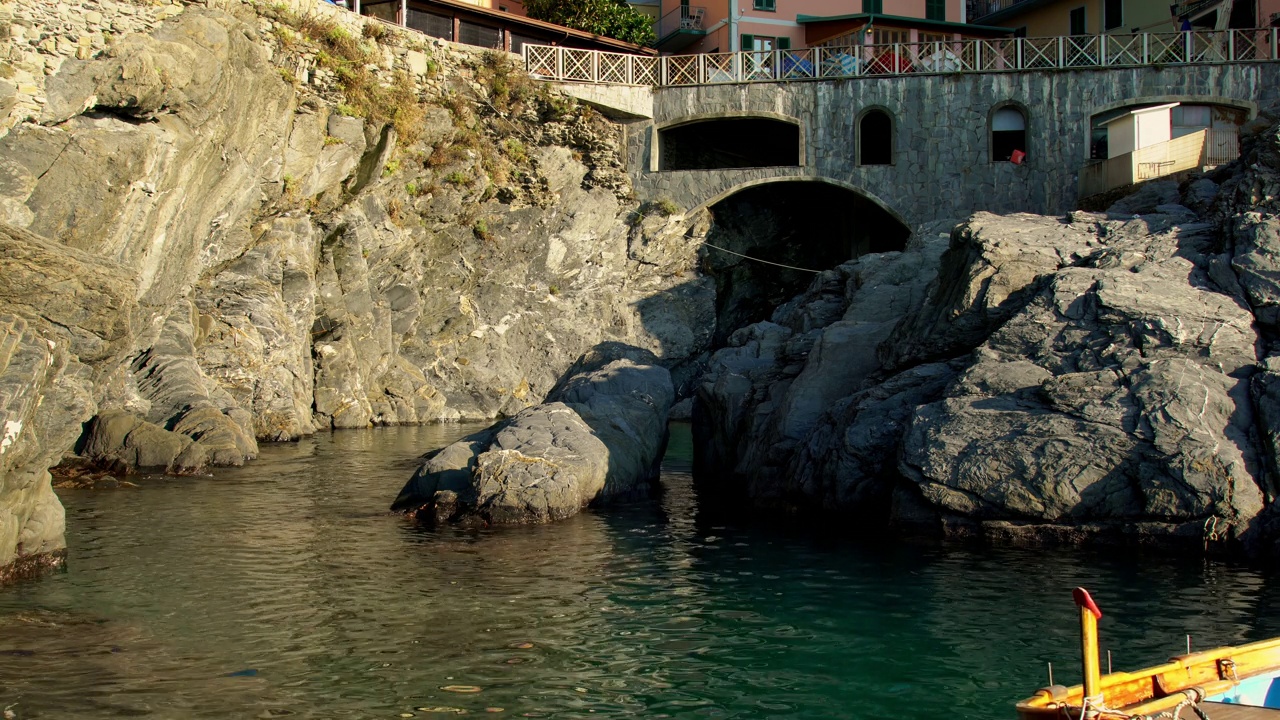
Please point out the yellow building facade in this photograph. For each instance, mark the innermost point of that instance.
(1046, 18)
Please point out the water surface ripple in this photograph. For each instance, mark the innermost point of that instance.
(285, 589)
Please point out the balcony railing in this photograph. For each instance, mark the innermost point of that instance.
(931, 58)
(684, 17)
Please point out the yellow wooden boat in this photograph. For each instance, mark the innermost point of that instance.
(1227, 683)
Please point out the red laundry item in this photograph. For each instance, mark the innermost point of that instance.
(1017, 157)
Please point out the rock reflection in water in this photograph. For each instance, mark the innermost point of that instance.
(284, 588)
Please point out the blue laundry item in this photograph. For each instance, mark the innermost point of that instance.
(841, 64)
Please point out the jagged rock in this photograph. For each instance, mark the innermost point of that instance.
(43, 397)
(185, 400)
(767, 391)
(599, 437)
(1147, 198)
(85, 300)
(1118, 394)
(986, 274)
(119, 437)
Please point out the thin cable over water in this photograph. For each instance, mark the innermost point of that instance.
(766, 262)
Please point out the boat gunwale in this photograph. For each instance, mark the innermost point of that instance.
(1160, 687)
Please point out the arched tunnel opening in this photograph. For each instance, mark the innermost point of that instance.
(729, 143)
(809, 225)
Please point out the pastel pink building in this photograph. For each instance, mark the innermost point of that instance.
(701, 26)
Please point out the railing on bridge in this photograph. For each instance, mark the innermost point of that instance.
(960, 56)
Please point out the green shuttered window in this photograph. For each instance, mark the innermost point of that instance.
(935, 10)
(873, 6)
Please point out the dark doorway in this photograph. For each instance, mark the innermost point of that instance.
(875, 138)
(811, 225)
(729, 143)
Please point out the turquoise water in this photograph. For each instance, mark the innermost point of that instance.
(284, 589)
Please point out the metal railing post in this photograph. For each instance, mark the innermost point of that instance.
(1102, 50)
(1146, 48)
(1275, 35)
(663, 80)
(560, 63)
(595, 67)
(1062, 56)
(1018, 59)
(1231, 46)
(1186, 46)
(631, 70)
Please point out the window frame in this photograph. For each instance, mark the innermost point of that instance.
(991, 131)
(873, 6)
(1084, 21)
(1119, 23)
(935, 10)
(765, 5)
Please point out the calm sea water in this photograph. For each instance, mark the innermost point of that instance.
(285, 589)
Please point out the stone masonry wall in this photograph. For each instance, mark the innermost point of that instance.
(942, 166)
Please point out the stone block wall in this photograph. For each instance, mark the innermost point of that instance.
(941, 163)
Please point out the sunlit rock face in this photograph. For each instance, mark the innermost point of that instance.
(210, 242)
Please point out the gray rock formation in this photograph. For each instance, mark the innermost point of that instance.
(1062, 380)
(219, 257)
(599, 437)
(69, 320)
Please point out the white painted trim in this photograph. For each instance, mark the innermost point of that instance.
(749, 19)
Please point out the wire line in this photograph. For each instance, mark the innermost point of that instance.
(766, 262)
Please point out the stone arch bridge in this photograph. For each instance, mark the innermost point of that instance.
(941, 124)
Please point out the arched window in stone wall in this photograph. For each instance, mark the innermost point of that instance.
(875, 138)
(1008, 133)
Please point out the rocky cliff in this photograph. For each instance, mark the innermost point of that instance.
(241, 223)
(1104, 376)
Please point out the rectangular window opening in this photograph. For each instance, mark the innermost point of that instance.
(766, 5)
(935, 10)
(437, 26)
(873, 6)
(1078, 21)
(1112, 14)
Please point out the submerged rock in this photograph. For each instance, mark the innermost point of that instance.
(599, 437)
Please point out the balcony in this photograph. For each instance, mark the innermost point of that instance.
(981, 8)
(680, 28)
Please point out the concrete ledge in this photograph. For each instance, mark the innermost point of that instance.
(620, 102)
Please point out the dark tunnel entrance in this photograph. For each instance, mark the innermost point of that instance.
(811, 225)
(730, 143)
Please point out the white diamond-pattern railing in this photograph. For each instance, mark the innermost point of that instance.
(1123, 50)
(1081, 51)
(681, 70)
(932, 58)
(613, 69)
(1039, 53)
(1166, 48)
(718, 68)
(577, 65)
